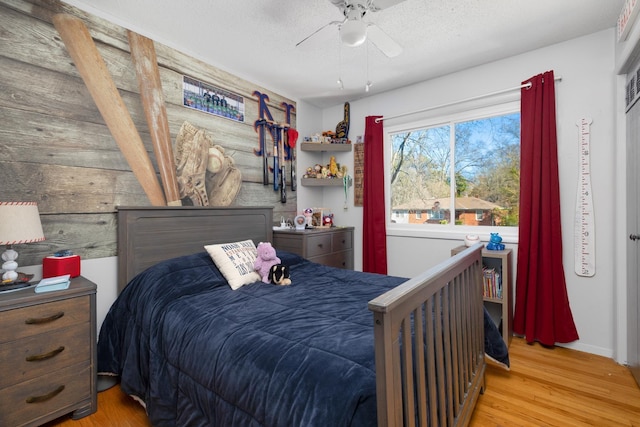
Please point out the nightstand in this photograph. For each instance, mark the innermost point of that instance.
(328, 246)
(48, 354)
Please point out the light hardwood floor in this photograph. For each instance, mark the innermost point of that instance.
(545, 387)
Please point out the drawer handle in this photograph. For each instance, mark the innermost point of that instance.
(45, 397)
(45, 356)
(38, 321)
(319, 245)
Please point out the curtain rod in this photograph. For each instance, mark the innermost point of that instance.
(486, 95)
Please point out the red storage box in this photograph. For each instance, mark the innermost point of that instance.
(53, 266)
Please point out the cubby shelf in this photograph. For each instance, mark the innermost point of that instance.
(500, 309)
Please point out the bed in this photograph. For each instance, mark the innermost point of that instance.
(337, 347)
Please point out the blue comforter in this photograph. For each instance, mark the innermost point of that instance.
(200, 354)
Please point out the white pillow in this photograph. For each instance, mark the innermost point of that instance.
(235, 261)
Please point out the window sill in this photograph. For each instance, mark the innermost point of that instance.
(509, 235)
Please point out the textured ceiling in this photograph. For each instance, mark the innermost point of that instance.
(256, 39)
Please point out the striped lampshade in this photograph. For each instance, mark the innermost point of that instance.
(20, 223)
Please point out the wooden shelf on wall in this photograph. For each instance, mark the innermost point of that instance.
(322, 182)
(316, 146)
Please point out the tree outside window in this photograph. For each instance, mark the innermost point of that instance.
(460, 173)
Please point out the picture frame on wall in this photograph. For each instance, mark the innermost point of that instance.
(211, 99)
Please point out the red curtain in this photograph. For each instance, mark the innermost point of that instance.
(374, 239)
(542, 311)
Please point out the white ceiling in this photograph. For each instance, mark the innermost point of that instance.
(256, 39)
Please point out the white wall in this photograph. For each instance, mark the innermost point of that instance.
(308, 122)
(587, 89)
(103, 272)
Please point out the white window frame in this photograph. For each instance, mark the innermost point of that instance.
(445, 231)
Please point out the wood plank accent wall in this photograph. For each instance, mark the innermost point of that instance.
(56, 149)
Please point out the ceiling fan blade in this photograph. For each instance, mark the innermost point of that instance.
(382, 41)
(377, 5)
(317, 31)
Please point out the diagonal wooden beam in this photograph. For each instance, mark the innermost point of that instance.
(104, 92)
(145, 62)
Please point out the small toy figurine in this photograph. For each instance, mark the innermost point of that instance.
(333, 166)
(328, 220)
(495, 243)
(308, 214)
(342, 128)
(279, 275)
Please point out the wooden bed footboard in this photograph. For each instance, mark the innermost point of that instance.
(429, 345)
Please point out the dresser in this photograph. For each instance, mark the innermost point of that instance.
(328, 246)
(47, 354)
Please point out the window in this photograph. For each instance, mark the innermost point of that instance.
(463, 171)
(437, 214)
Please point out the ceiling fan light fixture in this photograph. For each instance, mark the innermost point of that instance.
(353, 32)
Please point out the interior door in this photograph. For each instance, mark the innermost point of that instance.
(633, 224)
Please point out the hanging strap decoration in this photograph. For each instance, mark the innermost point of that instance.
(346, 183)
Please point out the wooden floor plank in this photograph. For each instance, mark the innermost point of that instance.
(558, 387)
(550, 387)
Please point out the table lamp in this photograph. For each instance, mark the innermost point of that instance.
(19, 223)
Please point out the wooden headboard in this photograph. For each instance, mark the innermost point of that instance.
(148, 235)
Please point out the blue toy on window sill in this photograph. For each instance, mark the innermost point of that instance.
(495, 243)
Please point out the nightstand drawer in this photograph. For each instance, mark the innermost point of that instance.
(38, 355)
(41, 396)
(43, 318)
(342, 240)
(318, 245)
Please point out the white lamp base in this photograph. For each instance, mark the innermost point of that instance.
(10, 265)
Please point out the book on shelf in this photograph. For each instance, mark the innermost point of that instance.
(492, 283)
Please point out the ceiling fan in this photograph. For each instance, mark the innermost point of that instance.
(354, 30)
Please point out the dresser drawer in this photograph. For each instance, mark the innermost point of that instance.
(38, 355)
(336, 259)
(43, 318)
(41, 396)
(342, 240)
(328, 246)
(318, 245)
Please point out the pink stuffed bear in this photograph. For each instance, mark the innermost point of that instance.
(265, 260)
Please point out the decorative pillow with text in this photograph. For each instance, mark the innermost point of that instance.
(235, 262)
